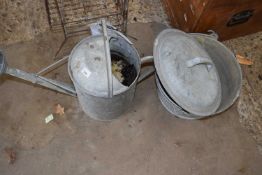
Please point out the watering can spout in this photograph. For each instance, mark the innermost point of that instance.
(35, 78)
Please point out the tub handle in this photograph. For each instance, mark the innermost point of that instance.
(199, 60)
(213, 34)
(210, 33)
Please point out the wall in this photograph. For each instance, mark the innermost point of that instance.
(21, 20)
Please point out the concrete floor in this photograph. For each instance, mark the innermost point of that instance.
(145, 140)
(250, 101)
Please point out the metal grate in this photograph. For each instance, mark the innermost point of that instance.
(73, 16)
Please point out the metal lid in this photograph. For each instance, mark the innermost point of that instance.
(88, 68)
(187, 72)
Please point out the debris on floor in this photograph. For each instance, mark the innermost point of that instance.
(243, 60)
(49, 118)
(10, 154)
(59, 110)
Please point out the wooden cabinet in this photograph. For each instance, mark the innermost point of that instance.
(229, 18)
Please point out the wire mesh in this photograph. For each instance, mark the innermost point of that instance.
(73, 16)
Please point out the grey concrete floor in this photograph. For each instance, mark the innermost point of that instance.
(144, 140)
(250, 101)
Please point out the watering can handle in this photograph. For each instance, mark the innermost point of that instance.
(108, 59)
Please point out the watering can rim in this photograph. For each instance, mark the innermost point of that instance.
(115, 93)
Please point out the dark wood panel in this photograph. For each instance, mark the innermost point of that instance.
(217, 19)
(232, 3)
(203, 15)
